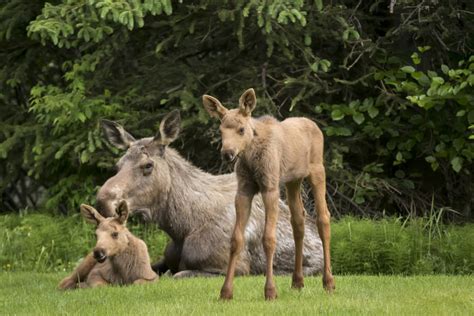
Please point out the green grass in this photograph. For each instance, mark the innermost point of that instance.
(35, 293)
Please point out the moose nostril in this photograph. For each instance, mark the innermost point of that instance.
(228, 157)
(99, 254)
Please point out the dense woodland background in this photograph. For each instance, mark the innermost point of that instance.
(391, 83)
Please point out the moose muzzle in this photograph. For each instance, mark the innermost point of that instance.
(99, 255)
(228, 155)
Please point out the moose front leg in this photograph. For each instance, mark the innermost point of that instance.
(79, 274)
(243, 205)
(170, 260)
(95, 279)
(293, 194)
(270, 200)
(96, 283)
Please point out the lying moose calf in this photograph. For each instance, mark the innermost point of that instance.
(120, 257)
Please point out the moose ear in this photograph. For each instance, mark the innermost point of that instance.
(213, 106)
(116, 134)
(123, 212)
(169, 128)
(90, 214)
(247, 102)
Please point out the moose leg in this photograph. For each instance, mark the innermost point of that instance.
(317, 178)
(96, 282)
(293, 193)
(160, 267)
(95, 278)
(79, 274)
(172, 257)
(270, 200)
(243, 205)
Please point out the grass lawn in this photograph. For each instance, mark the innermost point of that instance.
(35, 293)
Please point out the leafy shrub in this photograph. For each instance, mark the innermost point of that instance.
(422, 118)
(396, 114)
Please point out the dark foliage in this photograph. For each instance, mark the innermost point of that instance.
(390, 82)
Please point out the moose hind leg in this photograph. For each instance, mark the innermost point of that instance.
(293, 193)
(317, 178)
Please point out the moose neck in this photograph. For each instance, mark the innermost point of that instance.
(193, 198)
(263, 135)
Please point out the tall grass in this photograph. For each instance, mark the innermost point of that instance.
(45, 243)
(396, 246)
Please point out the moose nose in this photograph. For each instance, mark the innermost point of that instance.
(228, 155)
(99, 255)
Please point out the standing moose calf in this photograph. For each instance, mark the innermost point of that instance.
(120, 257)
(270, 152)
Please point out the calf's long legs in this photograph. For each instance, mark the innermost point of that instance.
(243, 205)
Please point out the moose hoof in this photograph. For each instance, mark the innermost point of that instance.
(297, 282)
(270, 293)
(328, 283)
(226, 294)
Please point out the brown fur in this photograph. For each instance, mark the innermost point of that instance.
(268, 153)
(119, 258)
(196, 209)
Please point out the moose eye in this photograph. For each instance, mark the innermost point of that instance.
(241, 131)
(114, 235)
(147, 168)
